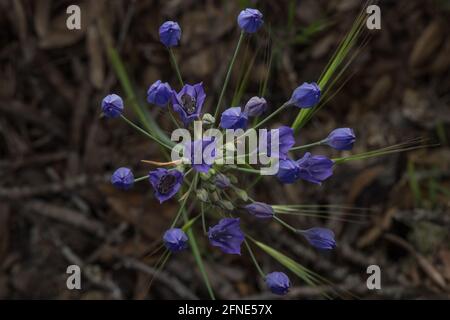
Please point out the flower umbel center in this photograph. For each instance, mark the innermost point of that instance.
(166, 183)
(189, 103)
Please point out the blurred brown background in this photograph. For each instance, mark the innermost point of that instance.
(57, 207)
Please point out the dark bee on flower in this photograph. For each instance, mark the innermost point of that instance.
(188, 102)
(166, 183)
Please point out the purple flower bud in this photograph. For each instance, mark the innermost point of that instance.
(201, 153)
(255, 107)
(222, 181)
(260, 210)
(286, 141)
(159, 93)
(315, 169)
(234, 118)
(306, 96)
(112, 106)
(320, 238)
(175, 239)
(288, 171)
(166, 183)
(188, 102)
(122, 178)
(227, 235)
(341, 139)
(278, 283)
(250, 20)
(170, 33)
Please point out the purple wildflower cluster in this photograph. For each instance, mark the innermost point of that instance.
(187, 103)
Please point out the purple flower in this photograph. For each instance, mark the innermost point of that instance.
(201, 153)
(250, 20)
(278, 283)
(315, 169)
(227, 235)
(159, 93)
(320, 238)
(306, 96)
(122, 178)
(285, 139)
(112, 106)
(170, 33)
(188, 102)
(222, 181)
(234, 118)
(166, 183)
(341, 139)
(288, 171)
(255, 107)
(175, 239)
(260, 210)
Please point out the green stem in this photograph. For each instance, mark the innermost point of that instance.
(247, 170)
(175, 122)
(202, 209)
(198, 257)
(141, 178)
(227, 77)
(285, 224)
(147, 134)
(175, 65)
(318, 143)
(273, 114)
(250, 251)
(183, 202)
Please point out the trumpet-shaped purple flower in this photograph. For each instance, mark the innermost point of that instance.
(320, 238)
(278, 283)
(175, 239)
(250, 20)
(170, 33)
(315, 169)
(227, 235)
(341, 139)
(260, 210)
(288, 171)
(112, 106)
(122, 178)
(286, 141)
(166, 183)
(159, 93)
(201, 153)
(255, 107)
(234, 118)
(306, 96)
(188, 102)
(222, 181)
